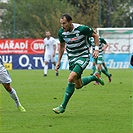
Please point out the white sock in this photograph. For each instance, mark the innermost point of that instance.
(14, 96)
(53, 66)
(45, 69)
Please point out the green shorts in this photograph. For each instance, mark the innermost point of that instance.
(79, 65)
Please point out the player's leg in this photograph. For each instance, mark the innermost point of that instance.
(45, 68)
(46, 61)
(54, 65)
(105, 71)
(74, 80)
(14, 96)
(56, 72)
(5, 80)
(94, 66)
(104, 65)
(75, 74)
(98, 62)
(68, 93)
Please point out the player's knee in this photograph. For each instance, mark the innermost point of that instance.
(46, 63)
(94, 63)
(99, 66)
(7, 87)
(70, 79)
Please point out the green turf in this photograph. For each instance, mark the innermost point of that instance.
(93, 109)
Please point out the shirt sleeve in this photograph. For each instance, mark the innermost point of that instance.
(54, 42)
(44, 43)
(60, 36)
(102, 40)
(87, 30)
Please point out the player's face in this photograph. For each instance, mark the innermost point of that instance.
(67, 26)
(47, 34)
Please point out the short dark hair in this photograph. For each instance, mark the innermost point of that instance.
(67, 16)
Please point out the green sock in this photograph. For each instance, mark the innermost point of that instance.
(105, 72)
(87, 80)
(93, 69)
(69, 92)
(106, 68)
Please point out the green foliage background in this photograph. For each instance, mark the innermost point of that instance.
(30, 18)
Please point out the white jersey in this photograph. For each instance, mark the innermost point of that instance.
(49, 45)
(1, 62)
(4, 75)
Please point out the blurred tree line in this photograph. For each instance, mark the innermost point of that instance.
(31, 18)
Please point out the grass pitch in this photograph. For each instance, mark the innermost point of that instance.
(92, 109)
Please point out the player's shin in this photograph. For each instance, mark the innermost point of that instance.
(105, 72)
(69, 92)
(45, 68)
(14, 96)
(93, 69)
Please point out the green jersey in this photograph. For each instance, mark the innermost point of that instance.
(101, 42)
(76, 41)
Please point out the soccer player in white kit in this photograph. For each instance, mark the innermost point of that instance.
(49, 52)
(5, 80)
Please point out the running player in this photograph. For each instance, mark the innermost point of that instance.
(5, 80)
(101, 66)
(75, 39)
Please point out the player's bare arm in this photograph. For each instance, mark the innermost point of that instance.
(105, 46)
(61, 52)
(96, 41)
(44, 49)
(54, 50)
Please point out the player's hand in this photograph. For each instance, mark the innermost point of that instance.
(53, 55)
(95, 53)
(57, 66)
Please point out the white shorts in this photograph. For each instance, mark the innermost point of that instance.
(48, 57)
(4, 76)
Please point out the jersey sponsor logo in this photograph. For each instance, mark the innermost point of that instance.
(74, 39)
(37, 46)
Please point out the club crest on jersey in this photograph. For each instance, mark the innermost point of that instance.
(77, 35)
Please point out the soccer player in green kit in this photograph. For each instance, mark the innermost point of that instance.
(99, 61)
(75, 38)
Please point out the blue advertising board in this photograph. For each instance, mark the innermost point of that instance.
(36, 61)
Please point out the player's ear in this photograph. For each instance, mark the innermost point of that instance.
(70, 22)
